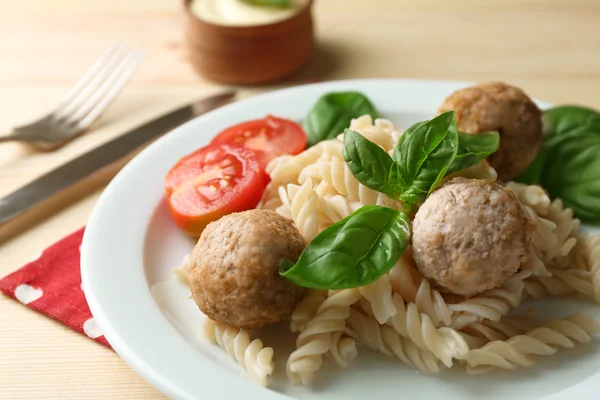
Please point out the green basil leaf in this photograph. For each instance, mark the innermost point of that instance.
(533, 174)
(560, 123)
(332, 114)
(570, 120)
(369, 163)
(270, 3)
(573, 174)
(568, 165)
(583, 199)
(423, 155)
(353, 252)
(396, 153)
(474, 148)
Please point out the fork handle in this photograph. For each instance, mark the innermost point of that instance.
(9, 137)
(13, 137)
(40, 145)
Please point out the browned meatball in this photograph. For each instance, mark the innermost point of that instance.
(496, 106)
(234, 274)
(470, 235)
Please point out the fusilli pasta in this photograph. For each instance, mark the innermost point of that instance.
(183, 270)
(252, 355)
(343, 349)
(316, 338)
(386, 340)
(544, 340)
(490, 305)
(379, 295)
(306, 310)
(561, 283)
(445, 343)
(403, 277)
(300, 204)
(489, 331)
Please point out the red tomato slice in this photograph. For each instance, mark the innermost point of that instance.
(269, 137)
(211, 182)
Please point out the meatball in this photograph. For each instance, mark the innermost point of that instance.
(496, 106)
(470, 235)
(234, 274)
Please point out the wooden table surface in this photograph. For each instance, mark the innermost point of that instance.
(551, 48)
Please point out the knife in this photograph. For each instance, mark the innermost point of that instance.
(94, 160)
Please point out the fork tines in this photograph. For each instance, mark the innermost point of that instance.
(99, 86)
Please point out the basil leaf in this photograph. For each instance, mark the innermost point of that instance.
(559, 123)
(570, 120)
(568, 165)
(353, 252)
(369, 163)
(574, 174)
(270, 3)
(423, 155)
(533, 174)
(474, 148)
(332, 114)
(396, 153)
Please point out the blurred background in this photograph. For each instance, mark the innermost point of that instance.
(550, 48)
(546, 46)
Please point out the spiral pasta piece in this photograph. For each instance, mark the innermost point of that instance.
(544, 340)
(306, 310)
(300, 204)
(557, 230)
(343, 349)
(561, 283)
(337, 175)
(567, 228)
(252, 355)
(489, 331)
(578, 257)
(386, 340)
(403, 277)
(445, 343)
(379, 295)
(531, 195)
(316, 339)
(284, 170)
(491, 304)
(431, 303)
(338, 207)
(535, 265)
(183, 270)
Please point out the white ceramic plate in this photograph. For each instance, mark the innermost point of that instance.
(131, 244)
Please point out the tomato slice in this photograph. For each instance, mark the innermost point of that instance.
(211, 182)
(269, 137)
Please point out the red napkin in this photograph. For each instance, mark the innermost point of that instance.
(51, 284)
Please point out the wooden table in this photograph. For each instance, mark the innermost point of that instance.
(549, 48)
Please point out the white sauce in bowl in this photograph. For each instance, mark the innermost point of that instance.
(239, 13)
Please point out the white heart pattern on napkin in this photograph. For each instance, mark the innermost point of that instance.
(26, 294)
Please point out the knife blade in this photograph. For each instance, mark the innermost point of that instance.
(66, 175)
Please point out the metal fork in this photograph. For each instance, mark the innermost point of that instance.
(84, 103)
